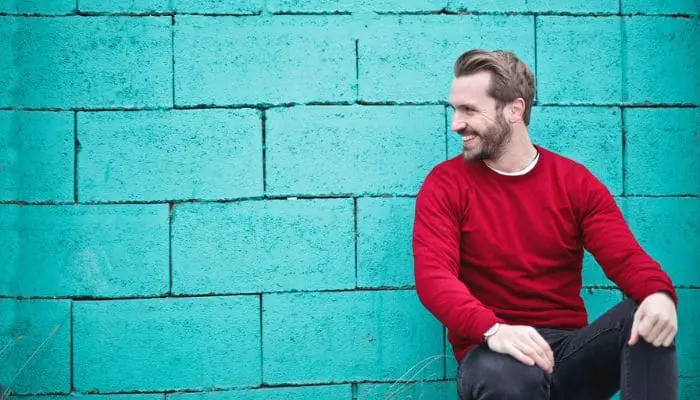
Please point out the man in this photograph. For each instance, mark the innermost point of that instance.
(498, 244)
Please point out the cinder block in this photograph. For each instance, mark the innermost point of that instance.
(599, 301)
(77, 396)
(346, 6)
(166, 155)
(384, 235)
(342, 336)
(43, 7)
(35, 321)
(103, 250)
(362, 150)
(228, 60)
(578, 60)
(36, 163)
(652, 78)
(538, 6)
(661, 7)
(329, 392)
(593, 274)
(248, 7)
(132, 6)
(440, 390)
(265, 246)
(451, 366)
(411, 58)
(688, 333)
(689, 388)
(654, 137)
(668, 229)
(583, 134)
(78, 62)
(166, 344)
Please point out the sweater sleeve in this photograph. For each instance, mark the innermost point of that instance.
(609, 239)
(436, 239)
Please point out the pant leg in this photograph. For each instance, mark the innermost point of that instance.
(487, 375)
(594, 362)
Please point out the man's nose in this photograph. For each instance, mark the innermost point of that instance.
(458, 124)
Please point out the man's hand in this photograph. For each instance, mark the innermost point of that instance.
(524, 344)
(655, 320)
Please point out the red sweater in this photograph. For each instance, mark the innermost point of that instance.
(494, 248)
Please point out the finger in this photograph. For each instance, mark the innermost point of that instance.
(659, 333)
(645, 327)
(543, 346)
(634, 335)
(669, 338)
(531, 352)
(519, 355)
(542, 359)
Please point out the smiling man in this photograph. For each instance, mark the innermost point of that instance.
(498, 244)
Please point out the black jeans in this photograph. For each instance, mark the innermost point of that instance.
(591, 363)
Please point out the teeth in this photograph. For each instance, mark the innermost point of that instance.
(468, 137)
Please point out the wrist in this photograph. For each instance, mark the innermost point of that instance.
(491, 331)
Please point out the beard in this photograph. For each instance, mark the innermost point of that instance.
(491, 142)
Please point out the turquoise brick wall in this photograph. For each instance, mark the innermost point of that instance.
(213, 200)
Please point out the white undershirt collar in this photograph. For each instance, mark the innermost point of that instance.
(518, 173)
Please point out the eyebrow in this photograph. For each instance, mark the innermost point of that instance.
(464, 105)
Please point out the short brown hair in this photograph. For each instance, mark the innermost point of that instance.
(510, 77)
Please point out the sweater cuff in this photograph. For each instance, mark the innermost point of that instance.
(482, 323)
(659, 286)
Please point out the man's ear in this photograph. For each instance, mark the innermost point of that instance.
(517, 109)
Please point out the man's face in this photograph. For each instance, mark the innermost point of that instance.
(477, 118)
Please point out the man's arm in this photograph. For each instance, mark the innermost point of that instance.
(607, 236)
(436, 240)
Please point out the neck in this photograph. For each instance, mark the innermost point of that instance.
(517, 154)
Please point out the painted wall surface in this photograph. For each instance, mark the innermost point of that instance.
(213, 200)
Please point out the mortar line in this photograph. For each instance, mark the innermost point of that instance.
(357, 69)
(72, 345)
(534, 19)
(623, 61)
(264, 150)
(354, 200)
(172, 54)
(170, 247)
(624, 152)
(202, 296)
(262, 380)
(89, 14)
(353, 390)
(315, 291)
(268, 106)
(76, 149)
(444, 353)
(236, 389)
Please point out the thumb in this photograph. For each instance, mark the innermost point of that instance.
(634, 336)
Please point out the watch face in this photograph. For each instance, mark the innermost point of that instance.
(491, 330)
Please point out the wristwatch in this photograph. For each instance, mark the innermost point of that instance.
(491, 331)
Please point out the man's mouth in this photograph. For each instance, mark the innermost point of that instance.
(468, 138)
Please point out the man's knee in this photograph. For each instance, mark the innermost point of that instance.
(486, 375)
